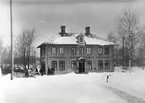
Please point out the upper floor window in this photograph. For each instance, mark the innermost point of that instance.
(88, 50)
(61, 50)
(53, 50)
(54, 65)
(42, 51)
(106, 51)
(89, 64)
(81, 51)
(81, 39)
(73, 65)
(73, 50)
(100, 50)
(61, 65)
(100, 64)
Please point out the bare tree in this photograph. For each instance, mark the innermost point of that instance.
(111, 37)
(128, 30)
(141, 47)
(142, 37)
(6, 55)
(24, 46)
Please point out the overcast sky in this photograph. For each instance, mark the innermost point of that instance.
(100, 15)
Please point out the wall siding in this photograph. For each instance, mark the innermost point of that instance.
(68, 57)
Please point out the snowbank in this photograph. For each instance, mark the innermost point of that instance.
(68, 88)
(71, 88)
(133, 82)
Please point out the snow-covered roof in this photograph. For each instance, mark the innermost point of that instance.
(72, 39)
(94, 41)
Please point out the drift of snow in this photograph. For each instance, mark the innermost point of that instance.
(131, 82)
(69, 88)
(72, 88)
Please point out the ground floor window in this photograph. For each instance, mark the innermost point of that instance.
(73, 65)
(107, 65)
(54, 65)
(61, 65)
(89, 64)
(100, 65)
(42, 70)
(42, 65)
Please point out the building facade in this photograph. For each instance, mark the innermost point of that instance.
(80, 53)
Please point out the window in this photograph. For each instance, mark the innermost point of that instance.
(107, 51)
(100, 50)
(42, 65)
(107, 65)
(74, 65)
(54, 65)
(61, 50)
(89, 65)
(88, 50)
(100, 65)
(53, 50)
(81, 50)
(81, 39)
(43, 51)
(73, 50)
(61, 65)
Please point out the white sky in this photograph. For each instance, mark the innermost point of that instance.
(100, 15)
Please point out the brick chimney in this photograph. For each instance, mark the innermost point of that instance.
(87, 31)
(62, 33)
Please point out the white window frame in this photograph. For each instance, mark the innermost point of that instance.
(61, 50)
(89, 50)
(81, 50)
(100, 62)
(60, 64)
(100, 50)
(73, 50)
(54, 64)
(73, 65)
(53, 50)
(89, 65)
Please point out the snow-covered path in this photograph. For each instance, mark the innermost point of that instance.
(70, 88)
(124, 95)
(73, 88)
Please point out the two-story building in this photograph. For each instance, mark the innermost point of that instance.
(78, 52)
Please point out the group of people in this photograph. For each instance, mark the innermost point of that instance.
(50, 71)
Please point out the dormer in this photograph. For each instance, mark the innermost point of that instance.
(81, 40)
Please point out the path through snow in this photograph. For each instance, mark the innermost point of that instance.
(69, 88)
(124, 95)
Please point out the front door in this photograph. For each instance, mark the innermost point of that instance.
(81, 67)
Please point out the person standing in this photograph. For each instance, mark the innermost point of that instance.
(107, 78)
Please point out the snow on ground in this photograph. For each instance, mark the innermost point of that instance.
(72, 88)
(132, 82)
(69, 88)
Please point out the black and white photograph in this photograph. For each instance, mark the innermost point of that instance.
(72, 51)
